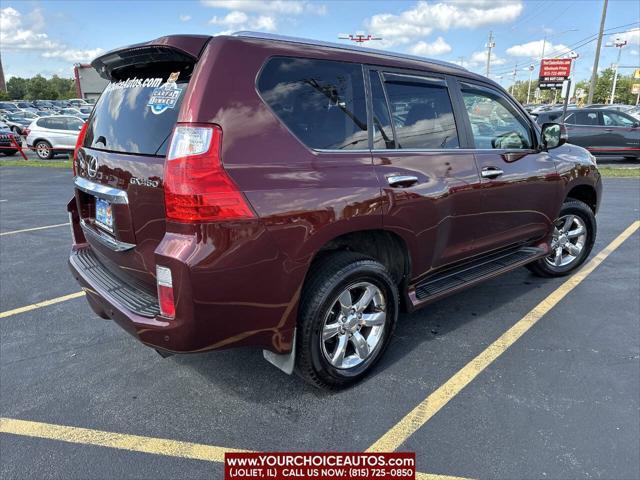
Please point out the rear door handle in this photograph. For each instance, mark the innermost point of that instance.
(401, 181)
(491, 172)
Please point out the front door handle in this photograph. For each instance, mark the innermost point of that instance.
(401, 180)
(491, 172)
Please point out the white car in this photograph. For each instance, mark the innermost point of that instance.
(54, 134)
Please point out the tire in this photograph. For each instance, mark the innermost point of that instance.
(16, 130)
(574, 216)
(321, 310)
(9, 153)
(43, 150)
(631, 159)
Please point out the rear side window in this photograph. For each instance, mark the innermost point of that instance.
(382, 131)
(73, 124)
(137, 115)
(421, 113)
(322, 102)
(587, 118)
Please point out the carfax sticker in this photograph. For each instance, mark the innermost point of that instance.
(165, 96)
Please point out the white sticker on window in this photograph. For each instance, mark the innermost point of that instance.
(165, 96)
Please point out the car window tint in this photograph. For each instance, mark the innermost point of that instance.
(322, 102)
(494, 123)
(616, 120)
(74, 124)
(587, 118)
(382, 131)
(422, 114)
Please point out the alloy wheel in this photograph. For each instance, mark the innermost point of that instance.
(354, 326)
(569, 238)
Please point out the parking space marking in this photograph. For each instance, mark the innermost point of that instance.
(121, 441)
(137, 443)
(45, 303)
(33, 229)
(431, 405)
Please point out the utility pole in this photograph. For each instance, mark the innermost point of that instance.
(531, 68)
(594, 73)
(513, 85)
(461, 61)
(490, 44)
(618, 44)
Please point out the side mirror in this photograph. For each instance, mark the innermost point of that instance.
(553, 135)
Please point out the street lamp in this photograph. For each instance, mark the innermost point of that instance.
(530, 68)
(618, 43)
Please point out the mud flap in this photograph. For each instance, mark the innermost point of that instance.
(284, 361)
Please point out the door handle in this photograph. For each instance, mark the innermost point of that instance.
(401, 180)
(491, 172)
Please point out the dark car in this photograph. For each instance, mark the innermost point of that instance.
(294, 196)
(601, 131)
(7, 140)
(9, 107)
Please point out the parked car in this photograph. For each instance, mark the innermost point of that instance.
(7, 140)
(634, 112)
(74, 112)
(77, 102)
(603, 132)
(294, 196)
(19, 121)
(9, 107)
(53, 134)
(617, 107)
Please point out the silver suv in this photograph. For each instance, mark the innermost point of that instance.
(55, 134)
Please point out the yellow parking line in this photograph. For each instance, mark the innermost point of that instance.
(33, 229)
(431, 405)
(136, 443)
(122, 441)
(45, 303)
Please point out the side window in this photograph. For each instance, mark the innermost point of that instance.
(44, 123)
(322, 102)
(73, 124)
(421, 113)
(616, 120)
(494, 124)
(570, 119)
(382, 131)
(587, 118)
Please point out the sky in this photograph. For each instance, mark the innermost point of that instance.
(48, 37)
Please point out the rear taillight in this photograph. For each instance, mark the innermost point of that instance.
(25, 132)
(196, 186)
(165, 292)
(79, 143)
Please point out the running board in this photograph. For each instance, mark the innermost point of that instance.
(452, 279)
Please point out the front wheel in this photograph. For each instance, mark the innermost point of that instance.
(348, 311)
(573, 237)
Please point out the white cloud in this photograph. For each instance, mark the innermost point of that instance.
(286, 7)
(534, 49)
(18, 32)
(478, 59)
(238, 20)
(74, 55)
(438, 47)
(185, 18)
(426, 17)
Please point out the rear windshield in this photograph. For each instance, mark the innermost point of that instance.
(136, 115)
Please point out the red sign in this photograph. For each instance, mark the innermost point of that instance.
(556, 67)
(319, 466)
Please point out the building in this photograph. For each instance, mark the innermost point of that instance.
(89, 85)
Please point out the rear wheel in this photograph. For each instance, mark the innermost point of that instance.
(348, 312)
(573, 238)
(43, 150)
(9, 153)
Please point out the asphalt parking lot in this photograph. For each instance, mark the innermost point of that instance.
(556, 397)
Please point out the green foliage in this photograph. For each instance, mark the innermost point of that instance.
(40, 88)
(4, 96)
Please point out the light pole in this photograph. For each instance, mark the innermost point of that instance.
(618, 44)
(530, 68)
(515, 74)
(491, 44)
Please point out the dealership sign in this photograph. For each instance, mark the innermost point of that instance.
(553, 72)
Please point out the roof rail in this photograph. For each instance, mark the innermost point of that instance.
(341, 46)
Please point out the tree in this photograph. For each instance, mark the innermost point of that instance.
(17, 88)
(39, 88)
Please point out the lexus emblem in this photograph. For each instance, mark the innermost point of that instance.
(92, 168)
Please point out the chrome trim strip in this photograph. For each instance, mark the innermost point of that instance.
(113, 195)
(105, 239)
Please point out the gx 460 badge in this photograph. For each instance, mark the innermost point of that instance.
(144, 182)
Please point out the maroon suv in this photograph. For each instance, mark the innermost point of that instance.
(295, 196)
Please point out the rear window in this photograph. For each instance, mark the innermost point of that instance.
(322, 102)
(136, 115)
